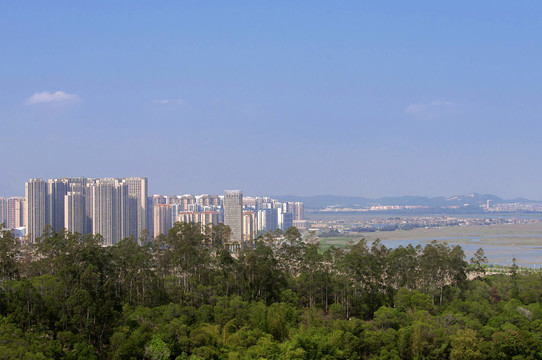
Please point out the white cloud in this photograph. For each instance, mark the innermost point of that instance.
(56, 97)
(169, 101)
(441, 103)
(415, 108)
(421, 108)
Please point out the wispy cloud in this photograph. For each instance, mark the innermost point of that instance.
(421, 108)
(169, 101)
(56, 97)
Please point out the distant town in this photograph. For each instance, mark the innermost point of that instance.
(324, 224)
(488, 207)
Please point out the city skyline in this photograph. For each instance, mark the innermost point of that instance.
(431, 99)
(119, 208)
(179, 192)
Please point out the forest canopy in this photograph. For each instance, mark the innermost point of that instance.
(184, 296)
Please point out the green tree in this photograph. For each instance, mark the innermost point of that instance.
(134, 280)
(312, 277)
(507, 343)
(259, 272)
(187, 255)
(402, 269)
(157, 349)
(478, 262)
(441, 266)
(291, 252)
(9, 251)
(465, 345)
(514, 276)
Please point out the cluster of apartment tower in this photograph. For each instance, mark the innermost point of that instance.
(246, 216)
(117, 208)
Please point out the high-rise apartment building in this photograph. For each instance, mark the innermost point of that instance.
(3, 211)
(175, 209)
(75, 219)
(284, 219)
(233, 213)
(36, 195)
(110, 210)
(267, 220)
(150, 215)
(56, 190)
(250, 226)
(205, 218)
(209, 219)
(162, 219)
(186, 202)
(171, 199)
(89, 205)
(137, 205)
(209, 200)
(159, 200)
(188, 217)
(16, 212)
(298, 211)
(250, 201)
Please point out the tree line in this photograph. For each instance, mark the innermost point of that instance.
(185, 296)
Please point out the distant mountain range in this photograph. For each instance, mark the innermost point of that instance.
(475, 200)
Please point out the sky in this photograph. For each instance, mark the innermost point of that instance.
(382, 98)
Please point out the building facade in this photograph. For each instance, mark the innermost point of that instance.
(162, 219)
(16, 207)
(233, 213)
(3, 211)
(137, 205)
(35, 214)
(209, 200)
(75, 219)
(250, 226)
(110, 210)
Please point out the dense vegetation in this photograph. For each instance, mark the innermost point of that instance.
(183, 296)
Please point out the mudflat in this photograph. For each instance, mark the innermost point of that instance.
(502, 234)
(501, 242)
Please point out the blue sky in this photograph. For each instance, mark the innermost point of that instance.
(310, 97)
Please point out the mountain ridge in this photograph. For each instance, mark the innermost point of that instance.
(470, 199)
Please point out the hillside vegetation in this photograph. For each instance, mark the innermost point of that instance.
(183, 296)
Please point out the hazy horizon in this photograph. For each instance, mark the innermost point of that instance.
(245, 193)
(307, 98)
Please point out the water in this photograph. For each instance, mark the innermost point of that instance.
(527, 255)
(364, 216)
